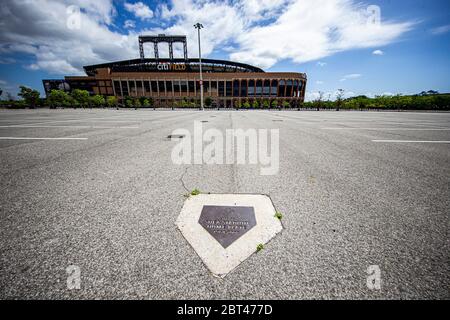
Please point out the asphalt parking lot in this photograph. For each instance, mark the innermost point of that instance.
(97, 189)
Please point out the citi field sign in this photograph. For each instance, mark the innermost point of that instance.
(171, 67)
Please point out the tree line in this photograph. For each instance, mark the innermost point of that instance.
(81, 99)
(426, 100)
(75, 99)
(429, 100)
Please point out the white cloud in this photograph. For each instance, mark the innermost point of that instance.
(259, 32)
(321, 64)
(265, 32)
(139, 9)
(262, 9)
(57, 48)
(33, 67)
(378, 53)
(319, 82)
(328, 95)
(223, 23)
(7, 60)
(349, 94)
(311, 96)
(313, 29)
(53, 66)
(129, 24)
(351, 77)
(441, 30)
(6, 85)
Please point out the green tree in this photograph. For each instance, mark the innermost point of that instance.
(351, 104)
(128, 101)
(13, 104)
(137, 103)
(97, 101)
(81, 97)
(141, 100)
(246, 104)
(255, 104)
(30, 96)
(68, 101)
(318, 103)
(266, 104)
(208, 102)
(286, 104)
(10, 97)
(442, 102)
(111, 101)
(182, 103)
(339, 96)
(57, 98)
(274, 103)
(75, 103)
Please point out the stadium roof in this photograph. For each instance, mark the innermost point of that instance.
(192, 65)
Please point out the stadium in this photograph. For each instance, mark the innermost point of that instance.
(168, 81)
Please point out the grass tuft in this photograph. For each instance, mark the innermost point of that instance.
(278, 215)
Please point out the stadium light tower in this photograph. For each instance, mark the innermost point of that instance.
(199, 26)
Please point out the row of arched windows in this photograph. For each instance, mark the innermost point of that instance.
(222, 88)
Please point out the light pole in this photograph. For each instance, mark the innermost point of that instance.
(199, 26)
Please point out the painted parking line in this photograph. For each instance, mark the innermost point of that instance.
(79, 127)
(391, 129)
(409, 141)
(34, 138)
(48, 121)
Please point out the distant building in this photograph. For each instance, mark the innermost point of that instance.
(168, 80)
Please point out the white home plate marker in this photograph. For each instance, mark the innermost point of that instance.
(225, 229)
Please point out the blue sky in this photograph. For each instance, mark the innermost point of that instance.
(364, 47)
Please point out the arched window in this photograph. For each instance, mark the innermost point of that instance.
(295, 88)
(251, 88)
(125, 88)
(154, 87)
(229, 89)
(236, 88)
(117, 88)
(169, 87)
(259, 87)
(274, 88)
(221, 88)
(266, 88)
(281, 88)
(243, 88)
(176, 86)
(162, 87)
(289, 88)
(132, 87)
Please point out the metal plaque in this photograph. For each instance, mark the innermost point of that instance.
(227, 223)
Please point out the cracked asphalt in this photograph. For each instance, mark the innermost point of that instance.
(107, 203)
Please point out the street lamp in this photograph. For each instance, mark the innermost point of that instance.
(199, 26)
